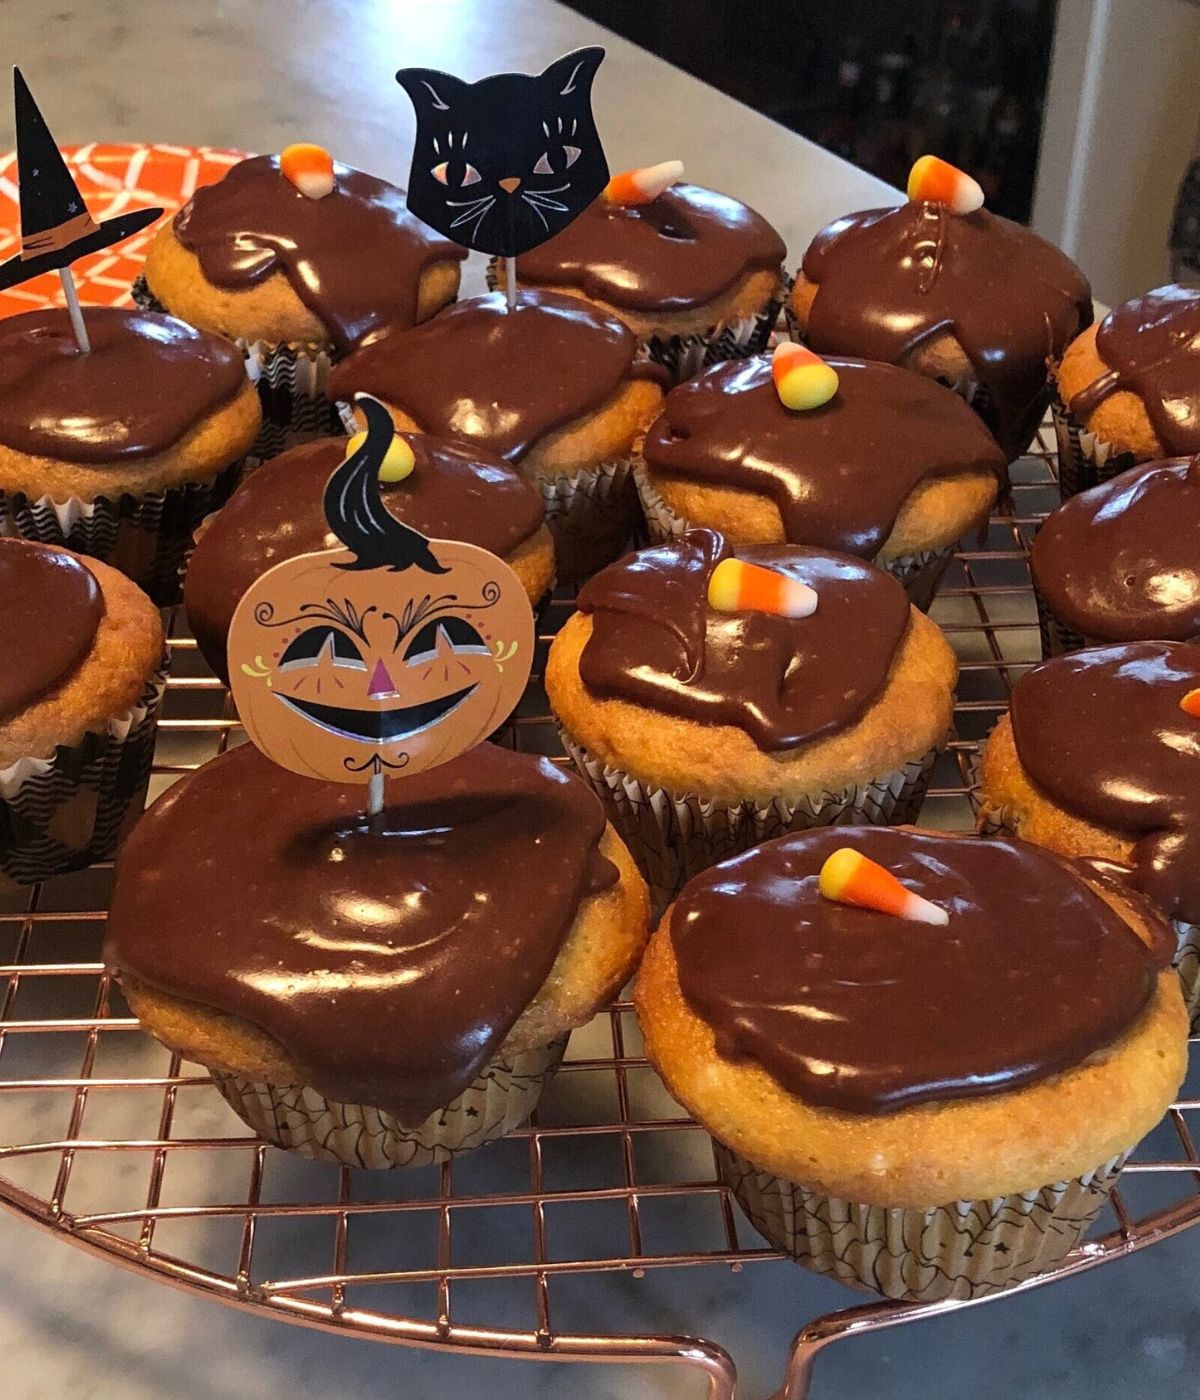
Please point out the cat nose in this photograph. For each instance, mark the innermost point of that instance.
(511, 185)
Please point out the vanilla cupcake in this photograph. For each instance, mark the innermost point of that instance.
(81, 682)
(554, 386)
(926, 1112)
(894, 468)
(705, 731)
(376, 991)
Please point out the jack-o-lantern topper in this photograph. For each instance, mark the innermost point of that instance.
(390, 655)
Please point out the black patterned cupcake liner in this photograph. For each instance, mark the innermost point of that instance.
(68, 811)
(593, 516)
(1084, 460)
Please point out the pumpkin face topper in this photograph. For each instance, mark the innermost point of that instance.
(391, 655)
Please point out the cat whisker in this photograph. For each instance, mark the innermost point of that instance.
(540, 202)
(467, 203)
(537, 211)
(471, 214)
(479, 218)
(553, 189)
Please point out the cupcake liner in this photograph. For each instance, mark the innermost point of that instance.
(148, 538)
(674, 836)
(920, 574)
(65, 812)
(1084, 460)
(963, 1249)
(1057, 637)
(356, 1135)
(593, 515)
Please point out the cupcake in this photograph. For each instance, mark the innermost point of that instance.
(1128, 389)
(121, 450)
(705, 731)
(1121, 561)
(921, 1111)
(298, 281)
(453, 492)
(81, 682)
(893, 468)
(1097, 757)
(380, 991)
(974, 300)
(697, 276)
(555, 387)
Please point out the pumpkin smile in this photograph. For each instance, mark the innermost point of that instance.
(379, 726)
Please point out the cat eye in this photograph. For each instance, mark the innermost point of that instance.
(314, 642)
(543, 166)
(441, 173)
(456, 633)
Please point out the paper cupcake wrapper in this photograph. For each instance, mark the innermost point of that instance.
(302, 1120)
(148, 538)
(593, 516)
(920, 574)
(674, 836)
(964, 1249)
(68, 811)
(1084, 460)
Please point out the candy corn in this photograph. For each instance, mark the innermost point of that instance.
(1190, 704)
(735, 586)
(942, 183)
(398, 461)
(309, 168)
(645, 184)
(802, 380)
(848, 877)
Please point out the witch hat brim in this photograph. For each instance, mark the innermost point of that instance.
(110, 231)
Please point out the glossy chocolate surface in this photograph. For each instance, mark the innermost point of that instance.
(890, 279)
(1101, 733)
(839, 474)
(857, 1011)
(354, 258)
(679, 251)
(1121, 562)
(50, 608)
(480, 373)
(390, 956)
(655, 641)
(147, 381)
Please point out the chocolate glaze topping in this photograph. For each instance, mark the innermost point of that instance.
(50, 608)
(455, 492)
(1121, 562)
(1151, 346)
(655, 641)
(857, 1011)
(354, 258)
(892, 278)
(680, 251)
(500, 378)
(838, 474)
(389, 957)
(1100, 732)
(147, 381)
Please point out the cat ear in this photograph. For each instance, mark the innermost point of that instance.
(430, 89)
(573, 72)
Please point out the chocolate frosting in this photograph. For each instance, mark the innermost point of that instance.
(889, 279)
(390, 956)
(501, 378)
(655, 641)
(1101, 733)
(1151, 347)
(455, 492)
(838, 474)
(354, 258)
(50, 609)
(147, 381)
(857, 1011)
(680, 251)
(1121, 562)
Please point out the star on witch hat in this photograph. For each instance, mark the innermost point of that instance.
(56, 227)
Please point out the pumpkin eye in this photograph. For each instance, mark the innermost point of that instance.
(441, 173)
(308, 647)
(454, 633)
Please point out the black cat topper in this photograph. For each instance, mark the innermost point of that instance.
(503, 164)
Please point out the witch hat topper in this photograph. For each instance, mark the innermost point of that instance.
(56, 227)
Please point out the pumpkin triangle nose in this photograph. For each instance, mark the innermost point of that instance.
(510, 184)
(381, 682)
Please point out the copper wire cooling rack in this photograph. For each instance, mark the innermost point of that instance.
(119, 1147)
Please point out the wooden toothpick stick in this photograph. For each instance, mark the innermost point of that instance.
(375, 793)
(73, 309)
(510, 282)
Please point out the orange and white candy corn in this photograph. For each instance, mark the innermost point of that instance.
(802, 380)
(942, 183)
(398, 460)
(735, 586)
(1190, 704)
(849, 877)
(309, 168)
(644, 184)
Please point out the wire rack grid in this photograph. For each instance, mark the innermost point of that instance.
(109, 1141)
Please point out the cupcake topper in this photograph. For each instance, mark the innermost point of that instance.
(391, 654)
(507, 162)
(803, 380)
(736, 586)
(56, 227)
(942, 183)
(849, 877)
(644, 185)
(1190, 704)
